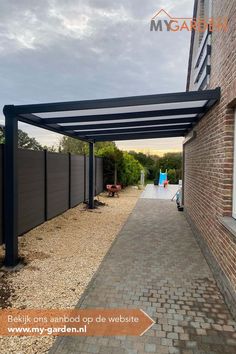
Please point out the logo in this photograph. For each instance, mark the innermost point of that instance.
(162, 21)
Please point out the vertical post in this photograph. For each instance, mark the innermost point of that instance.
(91, 175)
(183, 174)
(85, 176)
(11, 188)
(69, 195)
(95, 177)
(45, 185)
(115, 174)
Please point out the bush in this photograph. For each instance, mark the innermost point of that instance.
(172, 178)
(112, 163)
(119, 167)
(131, 170)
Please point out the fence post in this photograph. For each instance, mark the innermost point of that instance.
(91, 175)
(11, 188)
(85, 183)
(69, 157)
(45, 185)
(95, 182)
(2, 192)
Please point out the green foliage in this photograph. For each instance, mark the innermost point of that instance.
(149, 163)
(51, 148)
(2, 137)
(130, 173)
(171, 160)
(118, 165)
(172, 176)
(112, 162)
(74, 146)
(79, 147)
(125, 168)
(24, 141)
(100, 145)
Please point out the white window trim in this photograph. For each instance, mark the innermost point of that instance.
(234, 171)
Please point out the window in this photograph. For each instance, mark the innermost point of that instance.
(201, 50)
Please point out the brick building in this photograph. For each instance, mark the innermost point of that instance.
(209, 161)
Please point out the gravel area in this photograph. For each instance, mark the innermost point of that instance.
(60, 257)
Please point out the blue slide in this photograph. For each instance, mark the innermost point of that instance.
(162, 178)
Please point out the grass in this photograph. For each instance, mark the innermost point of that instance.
(149, 181)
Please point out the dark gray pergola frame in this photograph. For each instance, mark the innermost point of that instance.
(141, 124)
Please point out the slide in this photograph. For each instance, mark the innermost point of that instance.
(162, 178)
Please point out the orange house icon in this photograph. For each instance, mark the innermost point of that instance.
(164, 12)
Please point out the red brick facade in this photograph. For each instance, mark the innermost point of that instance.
(208, 182)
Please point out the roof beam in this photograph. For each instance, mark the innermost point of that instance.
(37, 122)
(119, 102)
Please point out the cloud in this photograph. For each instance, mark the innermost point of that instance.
(52, 50)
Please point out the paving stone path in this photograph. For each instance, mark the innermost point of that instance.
(155, 264)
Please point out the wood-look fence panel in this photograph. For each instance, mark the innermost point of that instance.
(31, 193)
(57, 184)
(49, 184)
(77, 180)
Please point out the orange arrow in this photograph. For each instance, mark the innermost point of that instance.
(85, 322)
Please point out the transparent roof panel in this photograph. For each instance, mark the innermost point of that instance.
(131, 120)
(120, 129)
(143, 132)
(143, 108)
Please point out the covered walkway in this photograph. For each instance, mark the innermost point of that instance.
(112, 119)
(155, 264)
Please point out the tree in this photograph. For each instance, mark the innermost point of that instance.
(148, 162)
(172, 177)
(74, 146)
(24, 141)
(112, 162)
(119, 166)
(130, 174)
(79, 147)
(172, 162)
(51, 148)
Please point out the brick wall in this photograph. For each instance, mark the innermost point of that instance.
(209, 161)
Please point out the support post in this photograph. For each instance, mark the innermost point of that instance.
(91, 175)
(183, 174)
(11, 188)
(45, 184)
(69, 192)
(85, 177)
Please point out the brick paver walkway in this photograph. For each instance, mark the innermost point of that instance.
(155, 264)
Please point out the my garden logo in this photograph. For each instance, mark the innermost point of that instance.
(162, 21)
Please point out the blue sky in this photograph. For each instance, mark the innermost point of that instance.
(55, 50)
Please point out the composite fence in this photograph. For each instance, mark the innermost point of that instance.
(49, 184)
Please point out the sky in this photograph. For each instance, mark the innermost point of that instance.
(57, 50)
